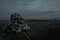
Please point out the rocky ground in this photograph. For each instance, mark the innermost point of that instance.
(40, 30)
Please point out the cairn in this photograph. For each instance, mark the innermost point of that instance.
(18, 22)
(16, 29)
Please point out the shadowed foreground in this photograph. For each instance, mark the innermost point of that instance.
(40, 30)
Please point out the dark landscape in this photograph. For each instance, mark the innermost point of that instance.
(40, 30)
(29, 19)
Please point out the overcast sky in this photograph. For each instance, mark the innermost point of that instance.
(34, 9)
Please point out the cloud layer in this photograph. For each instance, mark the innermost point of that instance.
(30, 8)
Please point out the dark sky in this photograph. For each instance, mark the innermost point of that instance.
(34, 9)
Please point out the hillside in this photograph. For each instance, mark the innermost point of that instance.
(39, 31)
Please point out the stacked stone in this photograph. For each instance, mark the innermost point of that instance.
(18, 24)
(14, 30)
(16, 19)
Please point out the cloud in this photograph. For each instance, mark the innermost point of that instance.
(30, 8)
